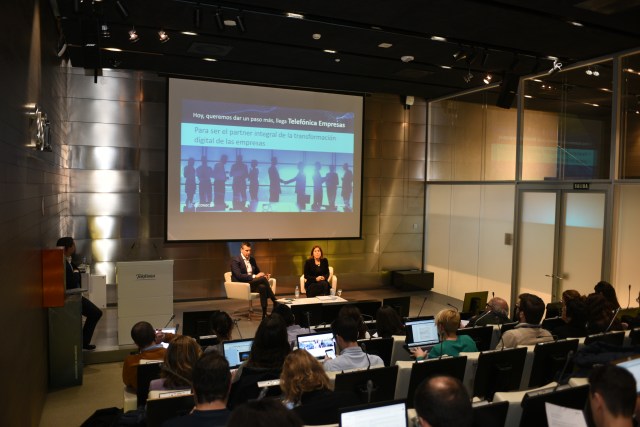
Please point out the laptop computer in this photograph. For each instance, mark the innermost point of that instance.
(318, 344)
(392, 413)
(421, 333)
(236, 351)
(633, 366)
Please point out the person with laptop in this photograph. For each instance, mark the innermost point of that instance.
(612, 396)
(149, 348)
(211, 381)
(293, 329)
(222, 326)
(442, 401)
(451, 344)
(529, 312)
(244, 269)
(345, 330)
(179, 359)
(496, 313)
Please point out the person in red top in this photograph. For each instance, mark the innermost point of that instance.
(149, 347)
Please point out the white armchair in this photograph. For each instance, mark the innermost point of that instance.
(242, 291)
(333, 281)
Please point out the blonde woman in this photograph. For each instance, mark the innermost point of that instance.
(306, 388)
(179, 359)
(448, 322)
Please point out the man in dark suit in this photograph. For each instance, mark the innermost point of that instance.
(244, 269)
(89, 309)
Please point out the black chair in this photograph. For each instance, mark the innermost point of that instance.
(246, 388)
(499, 370)
(370, 385)
(480, 334)
(146, 373)
(160, 410)
(634, 336)
(451, 366)
(381, 347)
(549, 359)
(489, 414)
(400, 304)
(552, 322)
(533, 404)
(614, 338)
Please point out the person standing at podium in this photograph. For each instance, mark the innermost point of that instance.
(244, 269)
(72, 277)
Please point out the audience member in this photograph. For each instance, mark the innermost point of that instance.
(222, 327)
(574, 313)
(600, 317)
(612, 396)
(268, 351)
(305, 386)
(442, 401)
(609, 293)
(496, 313)
(529, 312)
(352, 311)
(149, 347)
(90, 311)
(211, 380)
(245, 269)
(448, 322)
(293, 329)
(263, 413)
(179, 359)
(388, 322)
(345, 330)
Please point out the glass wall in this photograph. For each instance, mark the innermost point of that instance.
(630, 117)
(566, 132)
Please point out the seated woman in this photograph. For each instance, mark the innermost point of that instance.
(316, 274)
(306, 388)
(222, 326)
(179, 359)
(388, 322)
(448, 322)
(268, 351)
(600, 318)
(574, 313)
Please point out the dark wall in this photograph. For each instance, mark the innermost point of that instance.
(32, 197)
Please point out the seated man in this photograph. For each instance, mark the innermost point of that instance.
(529, 312)
(244, 269)
(345, 330)
(149, 347)
(612, 396)
(442, 401)
(496, 313)
(211, 383)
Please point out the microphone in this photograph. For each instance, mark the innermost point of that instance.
(177, 327)
(364, 349)
(493, 294)
(173, 316)
(615, 313)
(235, 322)
(423, 301)
(263, 393)
(453, 306)
(629, 297)
(481, 316)
(308, 316)
(564, 368)
(133, 245)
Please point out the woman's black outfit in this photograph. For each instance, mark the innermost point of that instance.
(311, 272)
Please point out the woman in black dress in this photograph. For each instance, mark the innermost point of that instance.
(316, 274)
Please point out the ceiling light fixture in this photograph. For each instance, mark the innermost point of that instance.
(385, 45)
(446, 67)
(557, 66)
(294, 15)
(438, 39)
(406, 58)
(113, 49)
(163, 36)
(133, 36)
(188, 33)
(575, 23)
(209, 59)
(460, 55)
(487, 79)
(329, 51)
(316, 36)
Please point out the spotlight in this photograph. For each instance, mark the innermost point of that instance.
(596, 73)
(557, 66)
(589, 72)
(163, 36)
(460, 55)
(487, 79)
(104, 31)
(467, 77)
(133, 36)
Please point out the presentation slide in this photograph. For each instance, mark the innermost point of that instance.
(256, 163)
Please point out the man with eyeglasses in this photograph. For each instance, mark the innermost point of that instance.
(529, 312)
(495, 313)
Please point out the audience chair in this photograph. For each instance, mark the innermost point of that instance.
(147, 370)
(242, 291)
(333, 282)
(614, 338)
(160, 410)
(452, 366)
(489, 414)
(370, 385)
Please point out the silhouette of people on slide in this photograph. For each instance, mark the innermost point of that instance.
(239, 173)
(301, 186)
(204, 180)
(274, 181)
(317, 188)
(189, 182)
(331, 181)
(253, 181)
(347, 187)
(219, 179)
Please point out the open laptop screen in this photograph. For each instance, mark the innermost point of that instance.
(375, 415)
(317, 343)
(633, 366)
(236, 351)
(421, 333)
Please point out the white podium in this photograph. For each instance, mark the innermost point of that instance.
(96, 285)
(145, 292)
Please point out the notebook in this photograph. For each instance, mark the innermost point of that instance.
(421, 333)
(236, 351)
(375, 415)
(316, 343)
